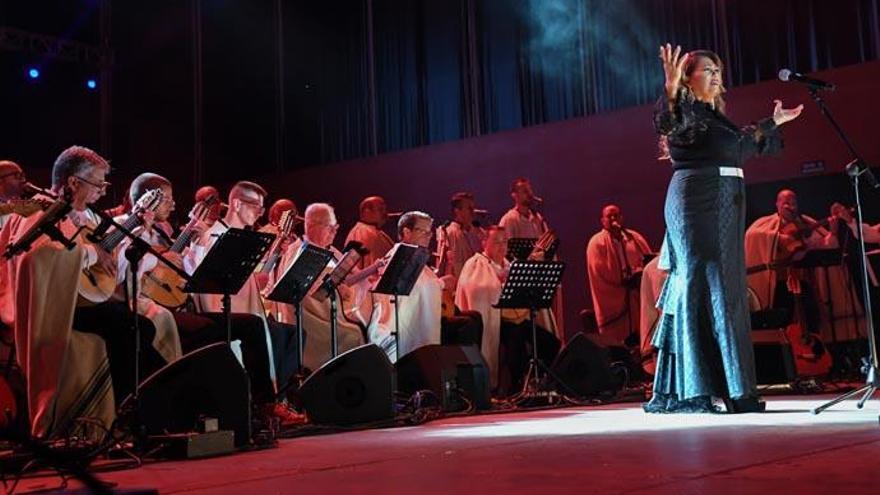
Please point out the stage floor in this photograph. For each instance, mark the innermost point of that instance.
(607, 449)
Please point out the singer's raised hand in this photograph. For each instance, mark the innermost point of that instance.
(783, 115)
(673, 65)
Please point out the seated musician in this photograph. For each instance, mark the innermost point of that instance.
(268, 270)
(615, 261)
(421, 322)
(320, 230)
(479, 287)
(262, 341)
(373, 214)
(774, 244)
(66, 373)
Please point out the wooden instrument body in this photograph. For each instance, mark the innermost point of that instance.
(97, 284)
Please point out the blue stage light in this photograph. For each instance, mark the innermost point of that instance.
(33, 73)
(91, 84)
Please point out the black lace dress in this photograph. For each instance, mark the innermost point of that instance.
(703, 337)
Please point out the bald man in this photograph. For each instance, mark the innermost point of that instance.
(615, 261)
(368, 231)
(216, 211)
(12, 180)
(769, 242)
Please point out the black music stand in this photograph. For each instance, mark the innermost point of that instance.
(520, 248)
(532, 285)
(399, 278)
(227, 267)
(292, 288)
(353, 255)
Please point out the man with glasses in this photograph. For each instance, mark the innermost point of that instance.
(421, 321)
(67, 369)
(264, 342)
(320, 229)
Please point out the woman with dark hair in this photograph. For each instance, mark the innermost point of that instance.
(703, 340)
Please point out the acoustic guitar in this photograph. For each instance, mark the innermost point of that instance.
(811, 357)
(162, 284)
(97, 285)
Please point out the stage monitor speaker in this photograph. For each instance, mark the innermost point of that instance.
(355, 387)
(583, 366)
(208, 382)
(774, 358)
(446, 370)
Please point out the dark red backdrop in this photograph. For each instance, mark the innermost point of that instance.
(580, 165)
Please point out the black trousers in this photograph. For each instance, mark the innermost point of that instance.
(199, 330)
(465, 328)
(284, 350)
(112, 321)
(516, 344)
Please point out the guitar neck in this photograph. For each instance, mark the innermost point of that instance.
(183, 239)
(113, 239)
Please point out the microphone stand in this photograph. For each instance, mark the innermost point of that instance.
(858, 171)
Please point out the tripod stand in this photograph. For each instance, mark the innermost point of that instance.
(858, 170)
(869, 363)
(532, 285)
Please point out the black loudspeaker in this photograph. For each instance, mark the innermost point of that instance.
(355, 387)
(583, 367)
(774, 358)
(208, 382)
(446, 369)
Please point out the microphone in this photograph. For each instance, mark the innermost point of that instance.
(788, 75)
(537, 200)
(480, 211)
(615, 225)
(45, 225)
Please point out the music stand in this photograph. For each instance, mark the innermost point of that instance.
(328, 287)
(532, 285)
(292, 288)
(399, 278)
(227, 266)
(520, 248)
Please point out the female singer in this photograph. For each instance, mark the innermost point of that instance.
(705, 350)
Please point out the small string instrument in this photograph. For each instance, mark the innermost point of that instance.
(285, 228)
(447, 296)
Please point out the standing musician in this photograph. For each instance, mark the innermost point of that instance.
(525, 221)
(462, 237)
(615, 260)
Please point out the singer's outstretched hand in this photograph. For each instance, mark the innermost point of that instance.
(673, 65)
(783, 115)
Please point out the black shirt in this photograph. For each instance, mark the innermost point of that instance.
(700, 136)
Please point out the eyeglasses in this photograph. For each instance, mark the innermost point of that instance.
(100, 186)
(424, 231)
(255, 204)
(18, 175)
